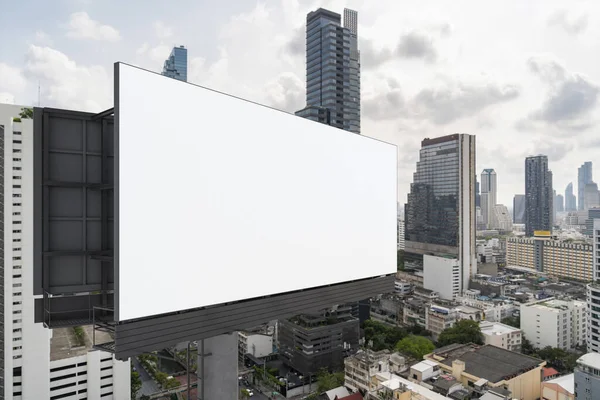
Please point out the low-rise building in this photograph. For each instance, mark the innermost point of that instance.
(555, 323)
(560, 388)
(360, 368)
(423, 371)
(501, 335)
(438, 318)
(493, 367)
(400, 388)
(258, 344)
(414, 312)
(403, 288)
(387, 308)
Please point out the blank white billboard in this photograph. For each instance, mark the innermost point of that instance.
(220, 199)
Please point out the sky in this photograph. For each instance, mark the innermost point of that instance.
(523, 76)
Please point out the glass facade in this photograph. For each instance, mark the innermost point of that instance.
(176, 65)
(539, 196)
(333, 67)
(584, 176)
(432, 210)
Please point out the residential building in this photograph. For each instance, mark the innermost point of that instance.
(587, 377)
(477, 194)
(584, 176)
(29, 360)
(593, 213)
(387, 308)
(176, 66)
(400, 234)
(591, 196)
(360, 368)
(440, 211)
(439, 318)
(402, 287)
(538, 195)
(555, 323)
(560, 388)
(443, 275)
(414, 312)
(549, 373)
(501, 219)
(489, 196)
(554, 257)
(258, 344)
(559, 201)
(309, 343)
(388, 384)
(519, 209)
(424, 371)
(570, 199)
(332, 69)
(521, 375)
(593, 294)
(501, 335)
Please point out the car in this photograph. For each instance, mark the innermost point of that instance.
(250, 393)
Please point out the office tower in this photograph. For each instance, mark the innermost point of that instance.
(440, 212)
(593, 292)
(501, 219)
(488, 195)
(332, 69)
(559, 201)
(176, 65)
(584, 176)
(570, 199)
(538, 195)
(591, 196)
(587, 377)
(37, 363)
(519, 209)
(477, 194)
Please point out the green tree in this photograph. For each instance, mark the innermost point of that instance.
(415, 346)
(145, 397)
(327, 381)
(400, 260)
(26, 113)
(463, 331)
(512, 321)
(136, 384)
(527, 347)
(560, 359)
(383, 335)
(244, 393)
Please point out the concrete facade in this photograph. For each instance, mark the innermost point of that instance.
(442, 275)
(217, 367)
(501, 335)
(587, 377)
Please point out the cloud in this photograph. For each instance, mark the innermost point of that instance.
(570, 95)
(573, 25)
(383, 100)
(372, 56)
(158, 53)
(416, 45)
(296, 46)
(12, 81)
(162, 31)
(42, 38)
(7, 98)
(81, 26)
(556, 150)
(286, 92)
(452, 101)
(65, 84)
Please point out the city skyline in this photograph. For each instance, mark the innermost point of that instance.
(424, 72)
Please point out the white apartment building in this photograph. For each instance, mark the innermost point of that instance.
(501, 335)
(258, 344)
(553, 322)
(442, 275)
(26, 368)
(593, 294)
(360, 368)
(501, 218)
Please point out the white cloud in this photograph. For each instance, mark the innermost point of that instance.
(42, 38)
(81, 26)
(12, 80)
(162, 31)
(7, 98)
(66, 84)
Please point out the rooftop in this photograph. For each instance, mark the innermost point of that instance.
(65, 344)
(567, 382)
(397, 382)
(590, 360)
(489, 362)
(424, 365)
(546, 372)
(496, 328)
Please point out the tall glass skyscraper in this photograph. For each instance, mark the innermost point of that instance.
(584, 176)
(570, 200)
(440, 212)
(332, 69)
(176, 65)
(539, 195)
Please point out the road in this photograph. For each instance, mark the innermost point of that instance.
(148, 385)
(257, 394)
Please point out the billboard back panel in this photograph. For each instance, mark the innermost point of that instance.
(219, 199)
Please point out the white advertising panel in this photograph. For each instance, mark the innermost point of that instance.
(220, 199)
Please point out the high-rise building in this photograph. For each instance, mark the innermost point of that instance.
(501, 219)
(477, 194)
(38, 363)
(559, 202)
(176, 65)
(587, 377)
(332, 69)
(440, 212)
(519, 209)
(570, 199)
(593, 293)
(539, 197)
(591, 196)
(584, 176)
(489, 199)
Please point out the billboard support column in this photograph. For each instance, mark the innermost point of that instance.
(218, 367)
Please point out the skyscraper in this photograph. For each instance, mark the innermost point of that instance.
(440, 212)
(332, 69)
(176, 65)
(560, 203)
(584, 176)
(539, 197)
(570, 199)
(488, 195)
(519, 209)
(591, 197)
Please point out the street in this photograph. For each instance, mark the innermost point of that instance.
(257, 395)
(148, 385)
